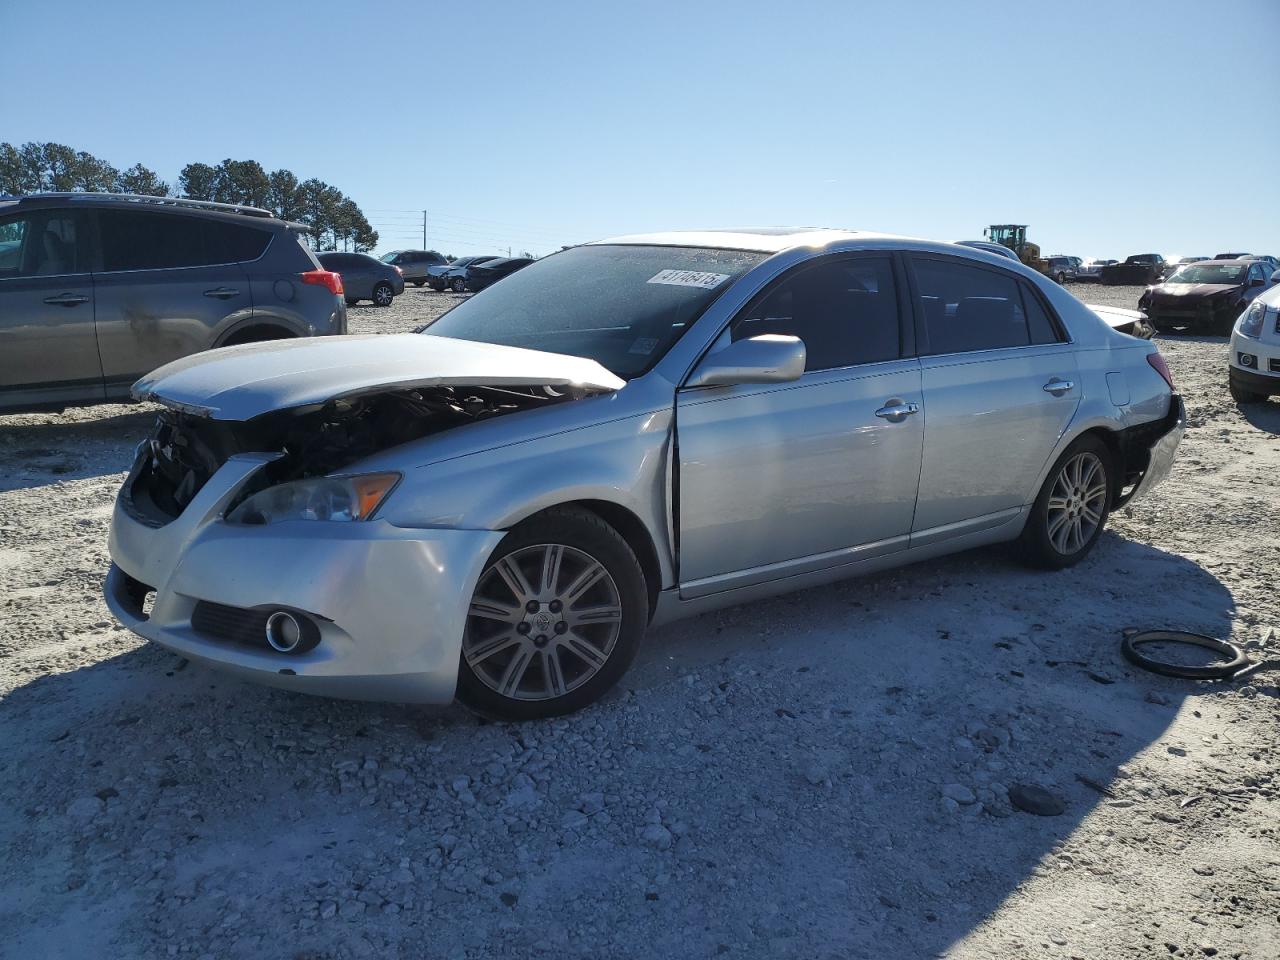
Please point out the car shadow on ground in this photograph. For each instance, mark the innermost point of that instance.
(805, 743)
(48, 448)
(1264, 416)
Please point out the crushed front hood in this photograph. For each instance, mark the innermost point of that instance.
(240, 383)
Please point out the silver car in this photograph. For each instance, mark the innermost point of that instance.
(619, 435)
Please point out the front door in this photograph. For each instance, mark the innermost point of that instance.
(1000, 383)
(781, 479)
(48, 345)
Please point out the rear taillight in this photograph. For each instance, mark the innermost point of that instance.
(324, 278)
(398, 270)
(1160, 367)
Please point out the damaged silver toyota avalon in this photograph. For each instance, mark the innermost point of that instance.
(618, 435)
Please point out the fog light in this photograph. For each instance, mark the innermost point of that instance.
(1247, 360)
(290, 632)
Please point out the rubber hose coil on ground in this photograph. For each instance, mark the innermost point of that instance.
(1223, 669)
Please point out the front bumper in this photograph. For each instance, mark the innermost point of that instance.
(1162, 449)
(1254, 382)
(1202, 313)
(390, 603)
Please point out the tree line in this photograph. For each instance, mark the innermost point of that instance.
(333, 219)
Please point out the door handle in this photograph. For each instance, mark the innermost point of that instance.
(1058, 387)
(67, 300)
(222, 293)
(895, 410)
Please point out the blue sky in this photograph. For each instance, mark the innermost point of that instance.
(1111, 128)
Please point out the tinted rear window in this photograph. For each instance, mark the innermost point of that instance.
(155, 241)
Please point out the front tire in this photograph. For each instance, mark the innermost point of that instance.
(383, 294)
(556, 618)
(1061, 278)
(458, 285)
(418, 283)
(1071, 510)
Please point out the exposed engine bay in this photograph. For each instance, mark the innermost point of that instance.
(184, 450)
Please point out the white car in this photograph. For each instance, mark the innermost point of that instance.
(1254, 361)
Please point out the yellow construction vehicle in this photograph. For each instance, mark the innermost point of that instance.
(1014, 236)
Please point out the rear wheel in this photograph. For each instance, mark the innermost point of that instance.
(257, 335)
(351, 302)
(556, 618)
(1071, 510)
(1061, 278)
(383, 294)
(418, 283)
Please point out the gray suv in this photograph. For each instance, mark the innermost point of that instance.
(98, 289)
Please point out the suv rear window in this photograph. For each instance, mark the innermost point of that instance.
(157, 241)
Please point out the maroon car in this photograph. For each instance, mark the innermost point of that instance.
(1206, 297)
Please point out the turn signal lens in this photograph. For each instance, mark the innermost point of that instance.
(336, 499)
(1160, 367)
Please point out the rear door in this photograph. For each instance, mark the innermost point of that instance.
(168, 285)
(48, 345)
(1000, 386)
(786, 478)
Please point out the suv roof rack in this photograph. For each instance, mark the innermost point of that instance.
(240, 208)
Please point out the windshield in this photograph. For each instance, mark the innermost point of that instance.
(622, 306)
(1208, 273)
(388, 257)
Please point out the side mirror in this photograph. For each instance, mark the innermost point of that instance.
(770, 358)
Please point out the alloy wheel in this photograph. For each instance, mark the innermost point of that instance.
(382, 295)
(543, 621)
(1077, 502)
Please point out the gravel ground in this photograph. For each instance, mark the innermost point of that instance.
(825, 775)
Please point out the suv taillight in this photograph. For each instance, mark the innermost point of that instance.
(324, 278)
(1160, 367)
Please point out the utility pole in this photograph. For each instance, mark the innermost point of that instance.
(424, 229)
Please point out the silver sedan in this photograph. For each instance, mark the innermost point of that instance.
(621, 434)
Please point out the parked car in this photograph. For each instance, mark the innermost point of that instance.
(1272, 264)
(1141, 268)
(483, 275)
(1253, 370)
(413, 264)
(1092, 269)
(365, 277)
(1133, 322)
(440, 275)
(999, 249)
(618, 435)
(1061, 269)
(1171, 265)
(97, 289)
(1231, 256)
(1207, 296)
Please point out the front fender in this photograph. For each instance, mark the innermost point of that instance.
(624, 462)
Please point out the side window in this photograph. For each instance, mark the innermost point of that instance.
(233, 243)
(41, 245)
(845, 311)
(149, 241)
(1041, 327)
(969, 308)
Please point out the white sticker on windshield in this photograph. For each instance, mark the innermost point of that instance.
(689, 278)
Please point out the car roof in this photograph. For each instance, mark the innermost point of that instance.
(777, 239)
(128, 201)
